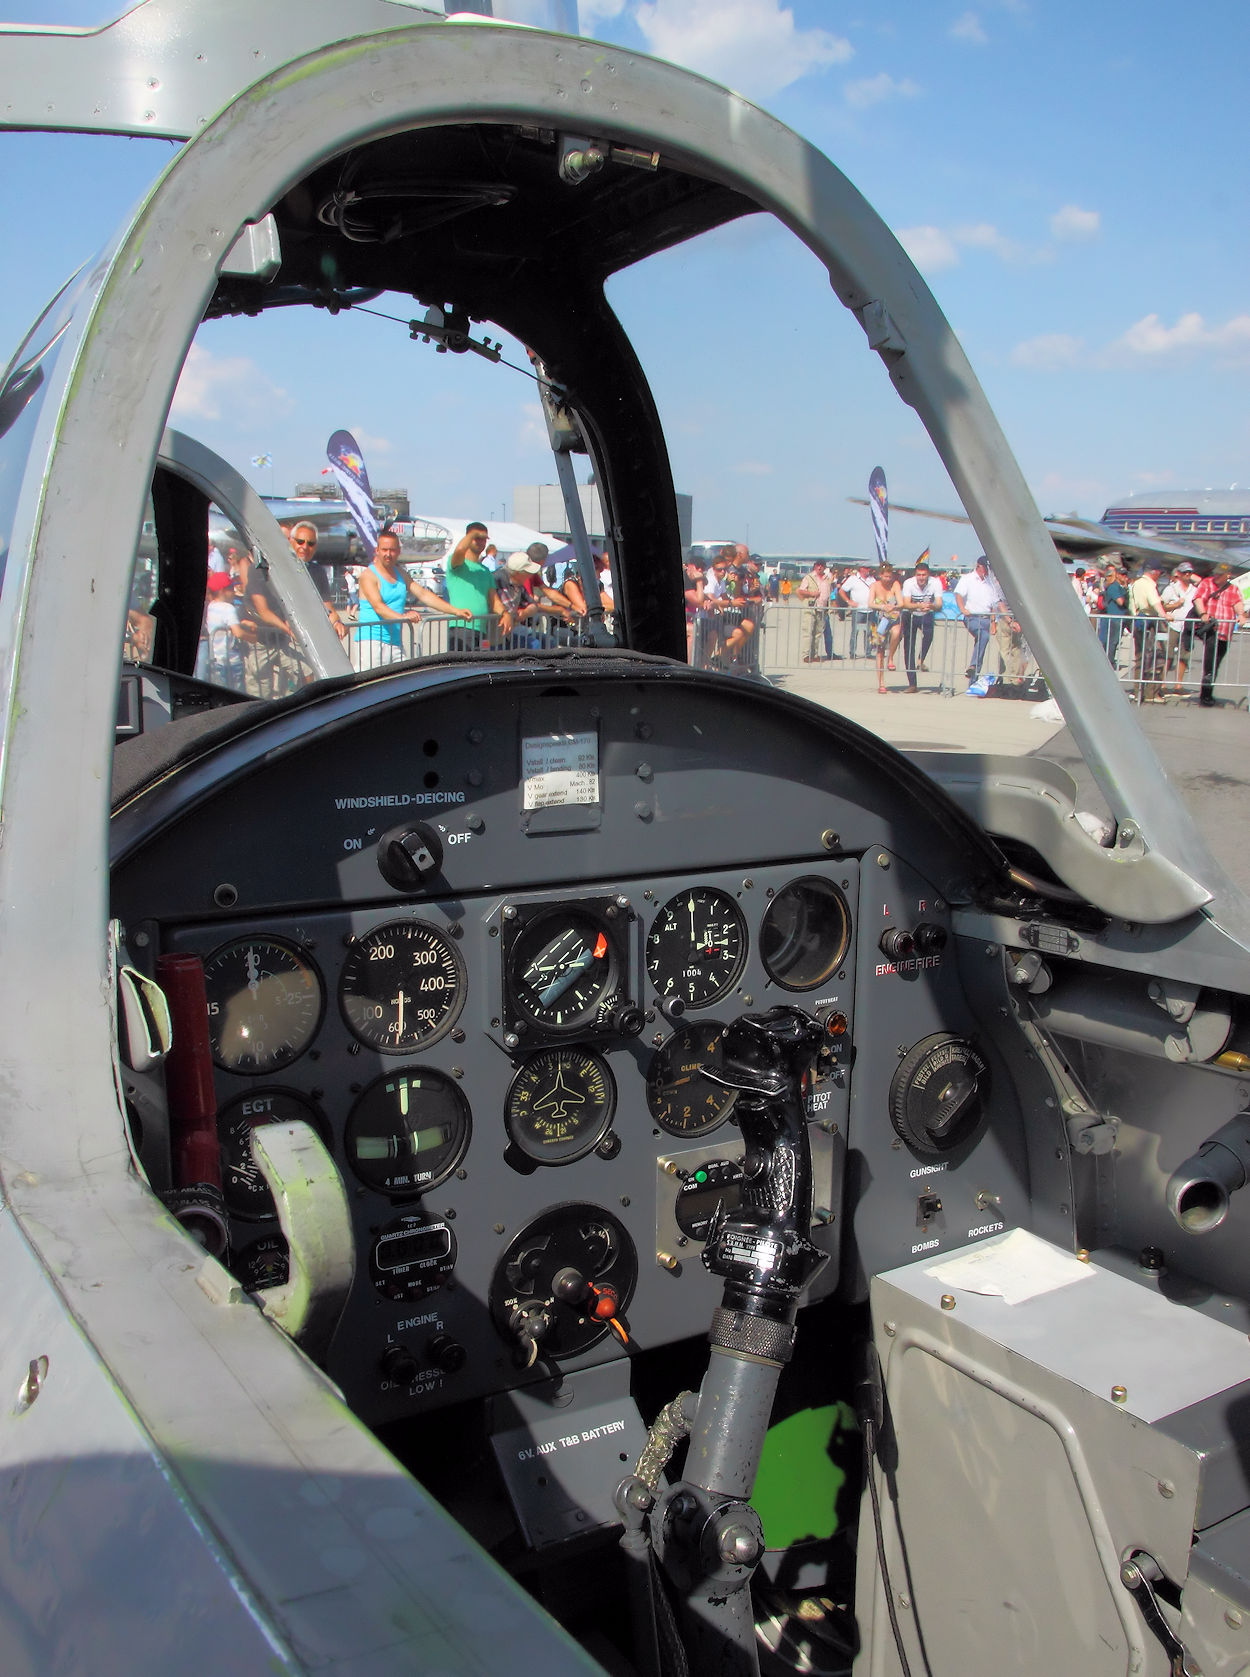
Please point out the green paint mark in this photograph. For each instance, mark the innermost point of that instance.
(800, 1474)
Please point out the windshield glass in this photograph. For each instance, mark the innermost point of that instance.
(824, 579)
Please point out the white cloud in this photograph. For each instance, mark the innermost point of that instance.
(873, 89)
(968, 28)
(1147, 342)
(1056, 488)
(982, 235)
(753, 468)
(929, 248)
(1148, 339)
(749, 44)
(1072, 223)
(932, 248)
(532, 432)
(211, 382)
(371, 444)
(591, 13)
(1049, 352)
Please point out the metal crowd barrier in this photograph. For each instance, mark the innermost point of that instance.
(1146, 653)
(435, 634)
(1154, 661)
(1157, 660)
(796, 636)
(711, 641)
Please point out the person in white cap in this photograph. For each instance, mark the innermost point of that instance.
(523, 598)
(1178, 602)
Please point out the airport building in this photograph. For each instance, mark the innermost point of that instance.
(541, 505)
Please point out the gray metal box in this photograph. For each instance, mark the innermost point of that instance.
(1014, 1481)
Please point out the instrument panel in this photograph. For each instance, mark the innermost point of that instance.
(491, 971)
(482, 1062)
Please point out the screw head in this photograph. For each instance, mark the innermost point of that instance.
(1119, 1394)
(947, 1301)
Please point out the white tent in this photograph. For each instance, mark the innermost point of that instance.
(508, 538)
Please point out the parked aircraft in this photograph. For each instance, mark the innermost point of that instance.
(449, 1112)
(1203, 529)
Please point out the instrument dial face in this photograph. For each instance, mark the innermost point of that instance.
(412, 1257)
(706, 1193)
(265, 1263)
(408, 1131)
(681, 1099)
(804, 934)
(402, 986)
(562, 968)
(697, 946)
(938, 1094)
(560, 1105)
(264, 1004)
(246, 1192)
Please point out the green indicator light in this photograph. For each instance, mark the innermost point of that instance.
(700, 1176)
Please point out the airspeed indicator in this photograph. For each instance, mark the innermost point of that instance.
(402, 986)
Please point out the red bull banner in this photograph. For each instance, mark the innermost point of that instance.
(348, 466)
(879, 502)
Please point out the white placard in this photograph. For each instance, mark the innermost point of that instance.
(1015, 1268)
(560, 769)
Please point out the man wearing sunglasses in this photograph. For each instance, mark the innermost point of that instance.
(303, 540)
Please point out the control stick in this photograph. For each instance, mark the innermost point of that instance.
(706, 1536)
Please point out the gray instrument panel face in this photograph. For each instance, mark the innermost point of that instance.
(281, 856)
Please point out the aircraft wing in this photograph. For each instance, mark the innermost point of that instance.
(1082, 538)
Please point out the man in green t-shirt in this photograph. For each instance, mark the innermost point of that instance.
(471, 586)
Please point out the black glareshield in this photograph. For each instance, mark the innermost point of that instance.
(761, 1250)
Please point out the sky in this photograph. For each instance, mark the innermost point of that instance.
(1068, 177)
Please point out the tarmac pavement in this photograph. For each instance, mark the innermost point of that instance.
(1204, 752)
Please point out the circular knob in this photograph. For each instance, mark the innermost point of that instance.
(605, 1303)
(628, 1019)
(446, 1353)
(896, 943)
(409, 855)
(569, 1285)
(930, 938)
(398, 1365)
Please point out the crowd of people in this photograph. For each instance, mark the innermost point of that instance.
(891, 614)
(724, 610)
(532, 598)
(1168, 626)
(1173, 625)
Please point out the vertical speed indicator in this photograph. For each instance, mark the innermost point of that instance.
(402, 986)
